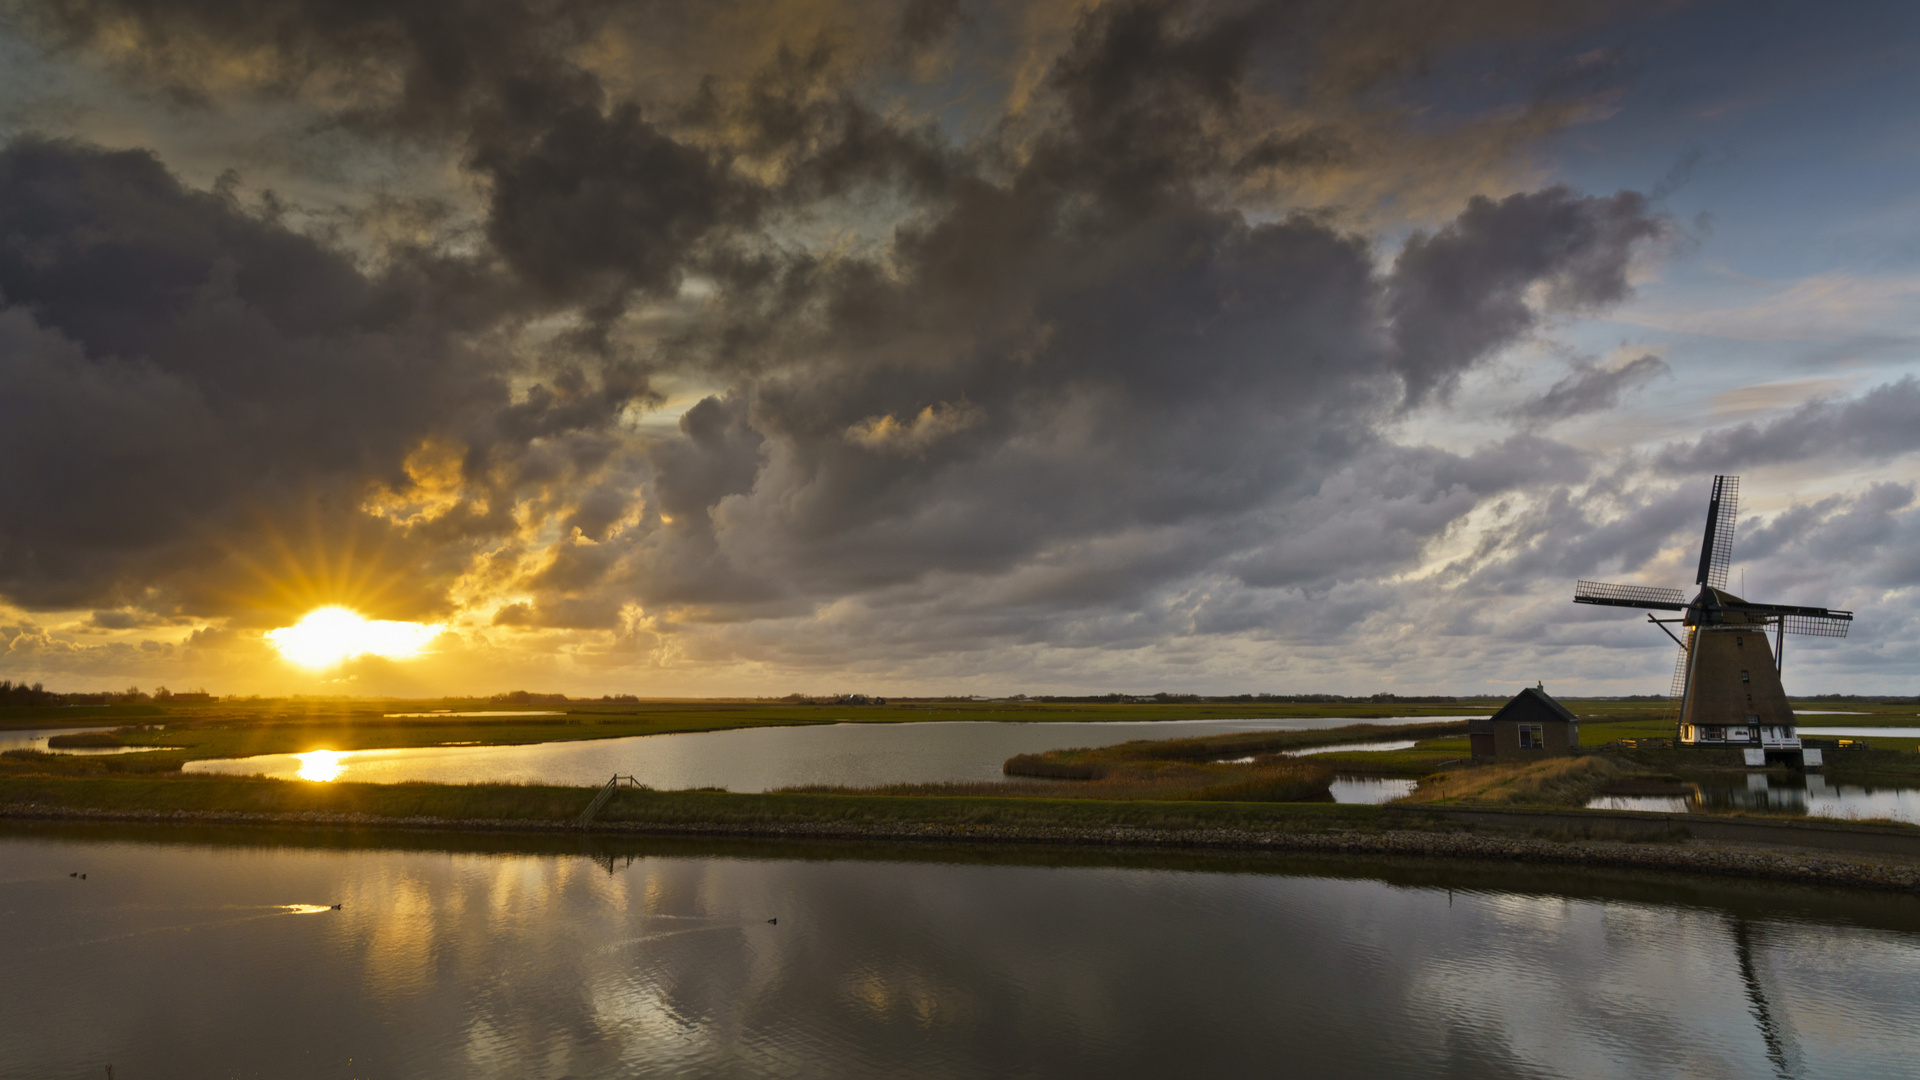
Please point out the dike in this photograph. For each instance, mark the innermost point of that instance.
(1838, 854)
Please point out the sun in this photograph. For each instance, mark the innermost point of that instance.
(329, 635)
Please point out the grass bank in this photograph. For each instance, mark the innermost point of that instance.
(1558, 781)
(1825, 854)
(559, 806)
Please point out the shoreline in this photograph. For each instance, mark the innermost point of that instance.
(1662, 846)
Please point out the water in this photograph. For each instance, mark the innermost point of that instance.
(1808, 794)
(483, 712)
(1370, 789)
(754, 759)
(36, 739)
(1891, 734)
(223, 958)
(1396, 744)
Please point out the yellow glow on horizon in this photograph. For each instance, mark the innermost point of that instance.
(330, 635)
(320, 765)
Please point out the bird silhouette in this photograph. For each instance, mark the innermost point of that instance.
(76, 873)
(773, 922)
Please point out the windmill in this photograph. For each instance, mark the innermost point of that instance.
(1726, 680)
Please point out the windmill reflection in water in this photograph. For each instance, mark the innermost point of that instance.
(1727, 679)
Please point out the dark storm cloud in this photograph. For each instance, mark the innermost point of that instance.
(1308, 148)
(1880, 424)
(175, 371)
(420, 68)
(1868, 538)
(924, 22)
(1460, 293)
(1591, 388)
(598, 204)
(1068, 375)
(1610, 530)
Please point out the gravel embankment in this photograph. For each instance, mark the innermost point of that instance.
(1694, 856)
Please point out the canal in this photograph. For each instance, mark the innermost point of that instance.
(218, 952)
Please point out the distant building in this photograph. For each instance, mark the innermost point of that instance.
(1531, 725)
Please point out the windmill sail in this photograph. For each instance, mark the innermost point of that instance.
(1677, 692)
(1808, 621)
(1636, 596)
(1716, 550)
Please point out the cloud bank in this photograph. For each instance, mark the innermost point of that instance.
(1112, 363)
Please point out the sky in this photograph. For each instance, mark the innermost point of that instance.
(948, 346)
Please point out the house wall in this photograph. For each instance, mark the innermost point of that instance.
(1560, 736)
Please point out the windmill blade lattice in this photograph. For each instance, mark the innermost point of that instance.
(1716, 553)
(1635, 596)
(1835, 624)
(1806, 621)
(1677, 691)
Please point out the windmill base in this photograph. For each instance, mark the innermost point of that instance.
(1792, 759)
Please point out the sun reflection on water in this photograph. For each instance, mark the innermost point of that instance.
(321, 765)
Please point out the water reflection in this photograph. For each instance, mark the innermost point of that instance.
(1370, 789)
(451, 963)
(1809, 794)
(321, 765)
(438, 713)
(1661, 804)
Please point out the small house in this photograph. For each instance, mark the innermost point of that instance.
(1531, 725)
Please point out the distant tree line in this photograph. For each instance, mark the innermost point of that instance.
(23, 694)
(20, 694)
(832, 699)
(523, 697)
(1858, 699)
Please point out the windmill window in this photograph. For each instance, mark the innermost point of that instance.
(1739, 642)
(1532, 737)
(1743, 677)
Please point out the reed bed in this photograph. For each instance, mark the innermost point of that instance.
(1272, 779)
(88, 740)
(1232, 745)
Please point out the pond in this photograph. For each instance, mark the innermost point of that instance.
(36, 739)
(1808, 793)
(1891, 735)
(225, 957)
(755, 759)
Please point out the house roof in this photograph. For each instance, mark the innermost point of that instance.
(1528, 706)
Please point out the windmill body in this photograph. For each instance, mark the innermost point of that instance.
(1727, 679)
(1733, 695)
